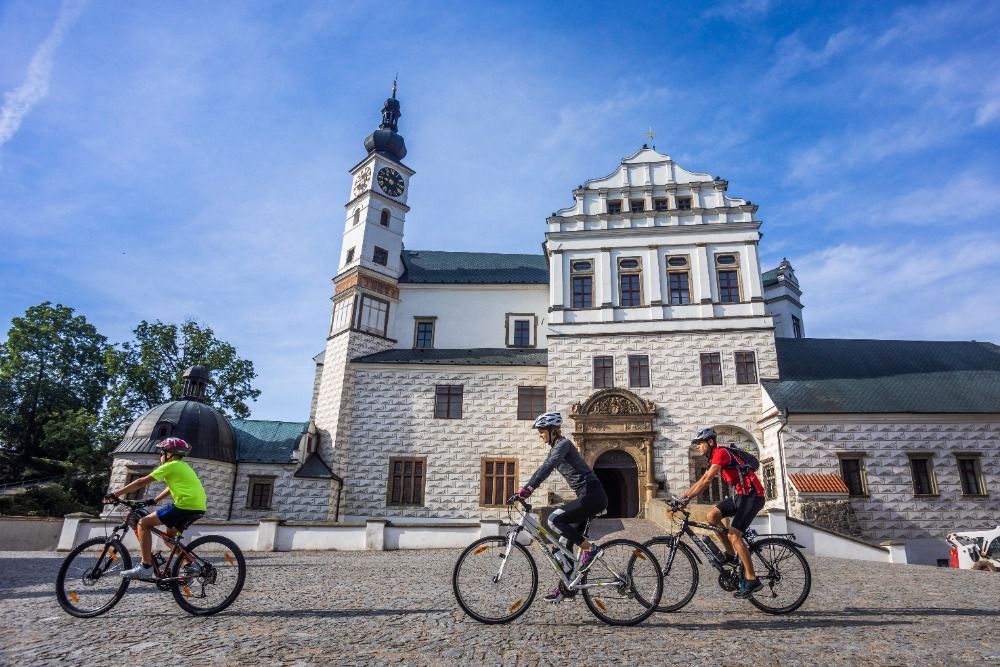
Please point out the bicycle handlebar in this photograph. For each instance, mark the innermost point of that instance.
(518, 499)
(678, 504)
(134, 504)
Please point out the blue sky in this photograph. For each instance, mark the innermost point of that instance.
(189, 160)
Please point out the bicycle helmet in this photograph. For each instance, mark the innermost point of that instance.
(175, 445)
(705, 434)
(548, 420)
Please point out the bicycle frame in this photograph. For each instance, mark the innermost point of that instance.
(177, 550)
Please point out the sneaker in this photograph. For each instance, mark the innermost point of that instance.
(140, 571)
(747, 588)
(587, 558)
(555, 595)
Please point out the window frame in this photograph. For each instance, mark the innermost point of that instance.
(928, 458)
(796, 327)
(769, 478)
(632, 272)
(656, 204)
(362, 302)
(390, 481)
(419, 320)
(375, 255)
(588, 293)
(133, 473)
(684, 202)
(260, 480)
(448, 394)
(385, 217)
(711, 356)
(344, 310)
(510, 330)
(977, 472)
(349, 257)
(743, 365)
(527, 396)
(510, 480)
(728, 268)
(605, 370)
(615, 203)
(642, 364)
(678, 271)
(640, 202)
(843, 457)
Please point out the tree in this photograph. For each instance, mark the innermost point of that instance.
(52, 364)
(149, 371)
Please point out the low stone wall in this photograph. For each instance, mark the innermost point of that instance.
(835, 515)
(29, 533)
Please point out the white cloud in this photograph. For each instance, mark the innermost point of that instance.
(20, 101)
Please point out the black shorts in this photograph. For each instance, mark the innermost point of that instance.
(172, 516)
(743, 508)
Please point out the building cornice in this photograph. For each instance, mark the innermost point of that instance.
(672, 230)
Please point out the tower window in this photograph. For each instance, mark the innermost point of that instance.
(423, 334)
(637, 205)
(796, 327)
(357, 215)
(684, 203)
(350, 256)
(373, 315)
(661, 204)
(614, 206)
(384, 220)
(381, 256)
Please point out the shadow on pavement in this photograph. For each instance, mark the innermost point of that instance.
(335, 613)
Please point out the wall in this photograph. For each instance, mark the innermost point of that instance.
(29, 533)
(293, 498)
(216, 477)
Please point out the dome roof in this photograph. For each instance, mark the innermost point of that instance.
(202, 426)
(386, 142)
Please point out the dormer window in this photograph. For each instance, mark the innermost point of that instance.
(384, 220)
(637, 205)
(684, 203)
(614, 206)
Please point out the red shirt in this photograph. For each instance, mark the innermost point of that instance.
(751, 485)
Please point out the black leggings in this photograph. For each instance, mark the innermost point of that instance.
(574, 514)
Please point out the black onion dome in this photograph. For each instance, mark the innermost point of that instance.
(202, 426)
(386, 142)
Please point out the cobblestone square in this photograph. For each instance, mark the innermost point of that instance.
(387, 608)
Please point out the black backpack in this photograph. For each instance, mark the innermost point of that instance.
(750, 462)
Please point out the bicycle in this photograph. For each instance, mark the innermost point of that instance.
(495, 578)
(777, 561)
(205, 576)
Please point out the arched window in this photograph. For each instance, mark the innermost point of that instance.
(357, 215)
(385, 218)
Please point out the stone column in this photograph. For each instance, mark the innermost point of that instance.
(650, 475)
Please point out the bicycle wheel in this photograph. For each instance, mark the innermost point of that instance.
(89, 582)
(680, 581)
(624, 585)
(488, 594)
(213, 580)
(785, 574)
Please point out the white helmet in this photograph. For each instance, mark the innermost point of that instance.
(548, 420)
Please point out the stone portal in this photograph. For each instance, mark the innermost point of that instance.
(620, 476)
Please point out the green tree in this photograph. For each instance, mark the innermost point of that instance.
(51, 365)
(148, 371)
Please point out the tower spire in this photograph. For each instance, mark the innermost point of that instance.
(386, 139)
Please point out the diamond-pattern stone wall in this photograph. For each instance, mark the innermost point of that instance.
(216, 477)
(293, 498)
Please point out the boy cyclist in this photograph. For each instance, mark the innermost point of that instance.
(183, 486)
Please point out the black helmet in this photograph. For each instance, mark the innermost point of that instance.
(703, 435)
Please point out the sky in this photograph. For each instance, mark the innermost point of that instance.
(167, 161)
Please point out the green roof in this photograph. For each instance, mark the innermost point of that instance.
(259, 441)
(482, 356)
(835, 376)
(484, 268)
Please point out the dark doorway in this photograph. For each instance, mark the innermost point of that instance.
(620, 477)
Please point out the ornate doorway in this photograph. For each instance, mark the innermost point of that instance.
(619, 424)
(620, 477)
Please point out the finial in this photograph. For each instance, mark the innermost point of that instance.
(650, 135)
(394, 85)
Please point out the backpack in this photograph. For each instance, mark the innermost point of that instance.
(750, 462)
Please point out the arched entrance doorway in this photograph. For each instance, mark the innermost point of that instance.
(619, 475)
(698, 465)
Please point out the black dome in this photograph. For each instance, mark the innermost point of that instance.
(386, 142)
(202, 426)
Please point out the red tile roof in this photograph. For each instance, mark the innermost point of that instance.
(818, 483)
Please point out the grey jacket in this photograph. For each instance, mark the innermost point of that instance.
(565, 458)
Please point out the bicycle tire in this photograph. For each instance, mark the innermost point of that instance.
(769, 560)
(73, 587)
(229, 563)
(623, 561)
(472, 560)
(684, 562)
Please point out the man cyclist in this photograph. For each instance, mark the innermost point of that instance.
(183, 486)
(742, 507)
(590, 497)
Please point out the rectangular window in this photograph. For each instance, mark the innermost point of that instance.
(423, 334)
(448, 401)
(583, 292)
(604, 372)
(923, 476)
(637, 205)
(796, 327)
(341, 315)
(134, 474)
(350, 256)
(522, 333)
(852, 471)
(259, 492)
(373, 315)
(684, 203)
(729, 287)
(380, 256)
(498, 481)
(971, 475)
(638, 370)
(680, 291)
(530, 402)
(746, 367)
(614, 206)
(406, 481)
(769, 479)
(711, 368)
(661, 204)
(630, 294)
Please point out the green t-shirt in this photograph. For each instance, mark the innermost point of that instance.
(184, 485)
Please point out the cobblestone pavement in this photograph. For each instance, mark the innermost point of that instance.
(387, 608)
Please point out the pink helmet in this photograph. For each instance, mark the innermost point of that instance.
(175, 445)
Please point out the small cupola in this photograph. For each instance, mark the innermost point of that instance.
(196, 381)
(386, 139)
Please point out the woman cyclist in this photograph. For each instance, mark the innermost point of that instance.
(590, 501)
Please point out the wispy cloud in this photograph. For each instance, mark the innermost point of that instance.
(738, 10)
(20, 101)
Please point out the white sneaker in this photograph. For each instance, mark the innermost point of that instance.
(140, 571)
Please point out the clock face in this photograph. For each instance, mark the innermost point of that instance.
(364, 178)
(390, 181)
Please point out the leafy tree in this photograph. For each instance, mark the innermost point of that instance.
(149, 371)
(52, 364)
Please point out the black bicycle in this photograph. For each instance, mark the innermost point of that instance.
(204, 576)
(777, 562)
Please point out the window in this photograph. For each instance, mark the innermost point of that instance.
(380, 256)
(406, 481)
(629, 282)
(711, 368)
(259, 492)
(423, 333)
(604, 372)
(583, 291)
(684, 203)
(357, 215)
(661, 204)
(614, 206)
(852, 471)
(350, 256)
(923, 475)
(384, 220)
(717, 488)
(746, 367)
(679, 281)
(134, 474)
(448, 401)
(498, 481)
(638, 370)
(637, 205)
(727, 269)
(971, 475)
(520, 329)
(530, 402)
(522, 333)
(769, 480)
(341, 315)
(373, 315)
(796, 327)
